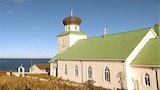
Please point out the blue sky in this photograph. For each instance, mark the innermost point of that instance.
(28, 28)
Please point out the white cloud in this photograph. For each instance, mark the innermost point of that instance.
(6, 6)
(10, 12)
(8, 9)
(21, 1)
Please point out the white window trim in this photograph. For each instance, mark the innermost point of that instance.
(103, 77)
(143, 79)
(63, 43)
(65, 69)
(75, 71)
(87, 73)
(76, 28)
(69, 28)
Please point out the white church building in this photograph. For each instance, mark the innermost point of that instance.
(128, 60)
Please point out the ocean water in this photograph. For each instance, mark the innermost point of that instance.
(13, 63)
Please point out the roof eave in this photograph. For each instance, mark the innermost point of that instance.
(72, 33)
(90, 59)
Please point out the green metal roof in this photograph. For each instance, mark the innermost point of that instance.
(149, 55)
(114, 46)
(71, 32)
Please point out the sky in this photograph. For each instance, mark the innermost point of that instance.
(29, 28)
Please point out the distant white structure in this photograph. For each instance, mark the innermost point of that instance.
(39, 69)
(21, 70)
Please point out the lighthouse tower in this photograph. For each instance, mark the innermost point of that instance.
(71, 33)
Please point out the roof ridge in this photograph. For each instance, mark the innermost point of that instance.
(41, 64)
(131, 31)
(117, 33)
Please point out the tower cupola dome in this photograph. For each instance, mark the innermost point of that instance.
(72, 20)
(72, 23)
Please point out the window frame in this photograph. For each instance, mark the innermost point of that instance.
(63, 42)
(65, 69)
(76, 28)
(146, 79)
(89, 68)
(69, 28)
(106, 74)
(76, 71)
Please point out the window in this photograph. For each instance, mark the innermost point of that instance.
(146, 80)
(76, 71)
(69, 28)
(63, 42)
(106, 74)
(89, 72)
(21, 70)
(65, 69)
(75, 27)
